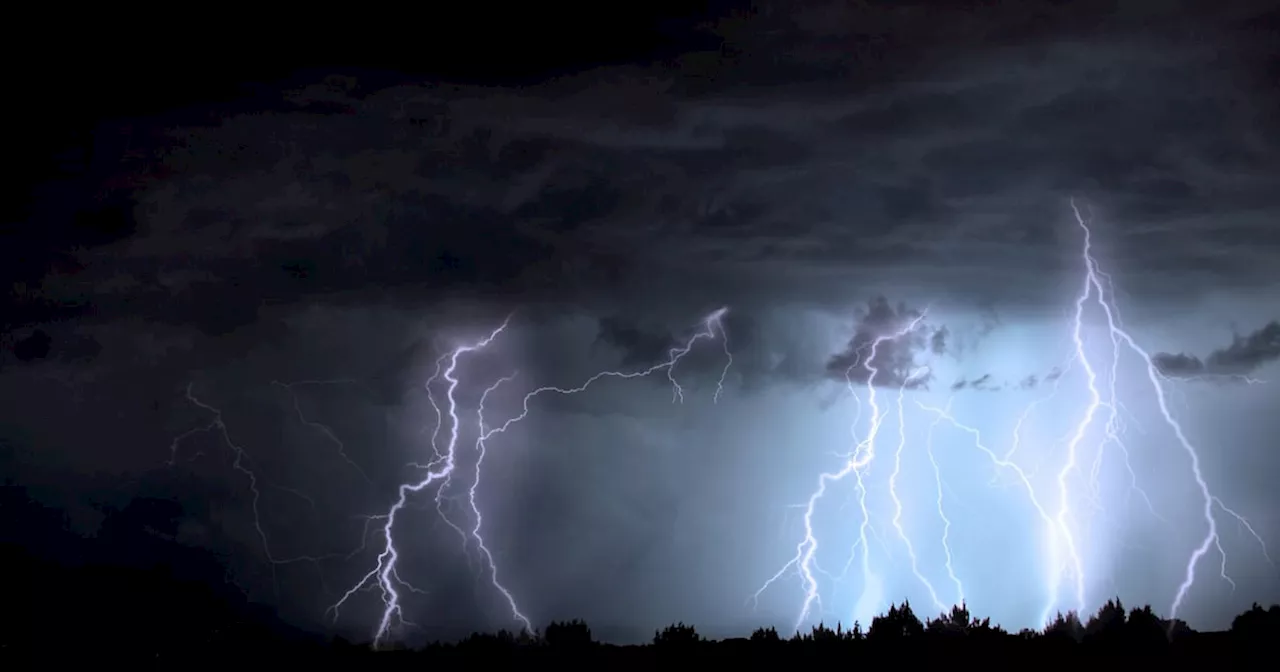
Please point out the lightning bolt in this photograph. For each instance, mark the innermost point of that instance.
(242, 463)
(385, 574)
(516, 613)
(893, 491)
(440, 471)
(320, 427)
(1050, 524)
(1094, 285)
(942, 511)
(861, 457)
(1098, 428)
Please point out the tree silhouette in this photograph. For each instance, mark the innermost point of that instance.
(141, 614)
(1257, 624)
(1107, 627)
(763, 635)
(899, 623)
(821, 634)
(1144, 629)
(677, 635)
(575, 634)
(1065, 627)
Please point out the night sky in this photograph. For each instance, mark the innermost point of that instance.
(234, 257)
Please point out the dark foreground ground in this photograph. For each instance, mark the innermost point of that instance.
(132, 596)
(72, 613)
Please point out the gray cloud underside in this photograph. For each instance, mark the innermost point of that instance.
(1244, 356)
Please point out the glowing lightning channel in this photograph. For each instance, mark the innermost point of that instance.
(860, 458)
(897, 501)
(1061, 521)
(516, 613)
(728, 355)
(712, 326)
(441, 469)
(385, 575)
(942, 512)
(320, 427)
(1065, 514)
(240, 463)
(1094, 283)
(1050, 524)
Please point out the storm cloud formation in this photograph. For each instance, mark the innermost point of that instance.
(884, 346)
(798, 162)
(1244, 356)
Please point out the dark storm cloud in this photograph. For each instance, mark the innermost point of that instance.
(1244, 356)
(885, 345)
(643, 182)
(639, 347)
(938, 342)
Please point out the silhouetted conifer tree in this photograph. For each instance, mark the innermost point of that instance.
(575, 634)
(1065, 627)
(1144, 629)
(677, 635)
(899, 623)
(762, 635)
(1107, 627)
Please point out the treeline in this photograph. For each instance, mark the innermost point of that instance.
(135, 596)
(157, 616)
(1112, 631)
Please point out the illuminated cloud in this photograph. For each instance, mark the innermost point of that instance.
(897, 359)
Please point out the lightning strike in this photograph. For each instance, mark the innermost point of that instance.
(241, 462)
(385, 574)
(893, 491)
(1211, 539)
(320, 427)
(442, 468)
(475, 508)
(1098, 428)
(942, 512)
(861, 457)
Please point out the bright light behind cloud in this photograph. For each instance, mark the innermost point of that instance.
(1134, 511)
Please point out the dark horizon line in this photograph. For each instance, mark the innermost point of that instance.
(946, 622)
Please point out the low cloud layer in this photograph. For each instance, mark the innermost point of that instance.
(885, 348)
(1243, 357)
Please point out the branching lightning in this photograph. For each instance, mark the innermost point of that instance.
(1097, 429)
(1062, 503)
(858, 460)
(242, 463)
(443, 467)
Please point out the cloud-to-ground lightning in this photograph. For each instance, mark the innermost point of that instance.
(861, 456)
(1097, 428)
(1063, 503)
(897, 501)
(385, 574)
(1095, 287)
(442, 468)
